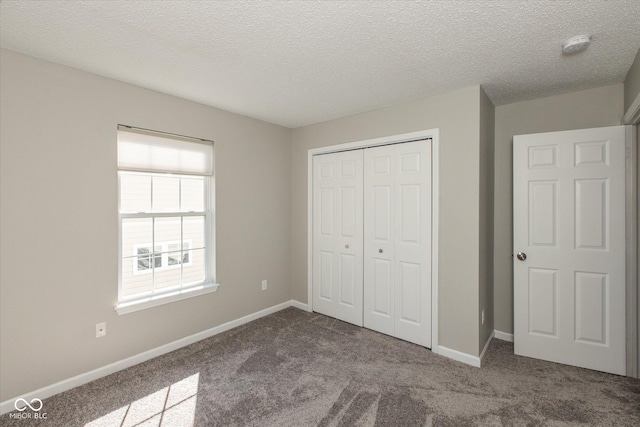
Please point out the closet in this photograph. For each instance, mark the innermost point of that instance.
(371, 260)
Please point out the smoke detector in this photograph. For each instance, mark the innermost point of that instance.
(576, 44)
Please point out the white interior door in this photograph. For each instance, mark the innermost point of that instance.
(397, 241)
(569, 221)
(337, 235)
(379, 244)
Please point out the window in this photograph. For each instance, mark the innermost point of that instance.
(165, 219)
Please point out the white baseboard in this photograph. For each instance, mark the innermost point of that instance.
(504, 336)
(78, 380)
(486, 346)
(459, 356)
(300, 305)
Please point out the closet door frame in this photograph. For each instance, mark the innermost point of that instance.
(432, 134)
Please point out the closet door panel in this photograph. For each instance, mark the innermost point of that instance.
(348, 283)
(324, 186)
(413, 242)
(337, 236)
(326, 276)
(397, 236)
(409, 292)
(381, 291)
(379, 208)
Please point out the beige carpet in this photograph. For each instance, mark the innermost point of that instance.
(294, 368)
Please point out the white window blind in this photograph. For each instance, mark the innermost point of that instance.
(143, 151)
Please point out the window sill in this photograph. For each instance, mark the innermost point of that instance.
(148, 302)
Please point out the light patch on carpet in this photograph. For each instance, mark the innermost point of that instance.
(173, 406)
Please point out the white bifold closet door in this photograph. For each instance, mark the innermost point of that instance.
(397, 241)
(337, 235)
(372, 238)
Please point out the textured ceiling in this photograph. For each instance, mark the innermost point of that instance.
(296, 63)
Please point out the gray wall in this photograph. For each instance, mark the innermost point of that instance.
(487, 139)
(585, 109)
(632, 83)
(457, 115)
(60, 230)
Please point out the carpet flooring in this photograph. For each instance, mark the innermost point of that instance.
(294, 368)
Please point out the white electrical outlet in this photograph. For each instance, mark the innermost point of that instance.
(264, 285)
(101, 329)
(483, 317)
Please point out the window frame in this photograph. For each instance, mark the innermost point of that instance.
(152, 298)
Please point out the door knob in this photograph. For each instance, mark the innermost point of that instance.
(521, 256)
(380, 250)
(346, 246)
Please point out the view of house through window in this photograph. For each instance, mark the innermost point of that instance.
(164, 216)
(165, 255)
